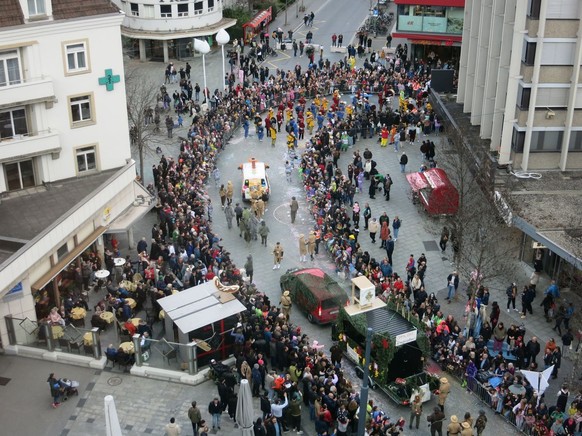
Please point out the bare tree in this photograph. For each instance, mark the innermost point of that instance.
(142, 96)
(477, 228)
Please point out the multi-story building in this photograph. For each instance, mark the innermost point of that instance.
(431, 27)
(520, 81)
(161, 30)
(66, 174)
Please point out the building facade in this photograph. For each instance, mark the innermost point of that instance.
(66, 174)
(161, 30)
(431, 27)
(519, 80)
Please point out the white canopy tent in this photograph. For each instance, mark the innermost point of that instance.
(198, 307)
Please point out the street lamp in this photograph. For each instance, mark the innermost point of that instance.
(202, 47)
(361, 301)
(286, 7)
(222, 37)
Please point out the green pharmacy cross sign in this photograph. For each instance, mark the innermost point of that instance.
(109, 79)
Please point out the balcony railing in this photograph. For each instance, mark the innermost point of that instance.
(27, 90)
(32, 143)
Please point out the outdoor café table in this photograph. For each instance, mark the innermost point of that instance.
(102, 274)
(129, 286)
(57, 331)
(107, 316)
(119, 261)
(135, 321)
(78, 313)
(131, 302)
(127, 347)
(517, 389)
(88, 339)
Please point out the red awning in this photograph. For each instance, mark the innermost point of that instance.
(453, 3)
(417, 181)
(265, 16)
(429, 38)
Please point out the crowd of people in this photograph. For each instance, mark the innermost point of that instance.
(286, 369)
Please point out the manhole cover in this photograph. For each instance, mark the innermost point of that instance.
(114, 381)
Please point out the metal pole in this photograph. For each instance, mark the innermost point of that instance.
(296, 8)
(364, 390)
(204, 73)
(223, 70)
(285, 12)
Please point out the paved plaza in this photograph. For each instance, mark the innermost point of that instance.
(144, 406)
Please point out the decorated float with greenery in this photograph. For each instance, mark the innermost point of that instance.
(399, 351)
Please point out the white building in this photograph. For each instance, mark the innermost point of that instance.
(519, 80)
(66, 176)
(162, 30)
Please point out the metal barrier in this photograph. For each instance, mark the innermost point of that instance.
(66, 339)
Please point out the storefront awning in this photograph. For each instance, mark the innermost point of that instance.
(142, 204)
(264, 17)
(200, 306)
(64, 262)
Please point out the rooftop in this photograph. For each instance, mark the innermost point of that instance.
(25, 214)
(67, 9)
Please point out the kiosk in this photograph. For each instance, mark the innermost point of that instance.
(435, 191)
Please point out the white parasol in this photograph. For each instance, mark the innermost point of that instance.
(539, 380)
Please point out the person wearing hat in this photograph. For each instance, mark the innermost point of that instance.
(294, 207)
(435, 420)
(466, 429)
(286, 304)
(454, 428)
(311, 244)
(444, 390)
(278, 255)
(481, 422)
(302, 248)
(415, 411)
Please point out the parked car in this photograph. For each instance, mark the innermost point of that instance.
(315, 293)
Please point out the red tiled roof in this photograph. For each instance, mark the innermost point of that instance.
(67, 9)
(11, 14)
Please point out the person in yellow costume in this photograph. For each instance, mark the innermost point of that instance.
(352, 62)
(288, 114)
(349, 110)
(273, 130)
(324, 104)
(310, 121)
(291, 140)
(317, 101)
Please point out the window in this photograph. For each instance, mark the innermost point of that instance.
(166, 11)
(12, 123)
(76, 57)
(19, 175)
(62, 251)
(517, 140)
(80, 109)
(529, 53)
(134, 8)
(9, 68)
(36, 7)
(198, 7)
(575, 141)
(148, 11)
(86, 159)
(210, 5)
(546, 140)
(523, 97)
(534, 9)
(183, 10)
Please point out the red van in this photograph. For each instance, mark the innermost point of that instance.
(314, 293)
